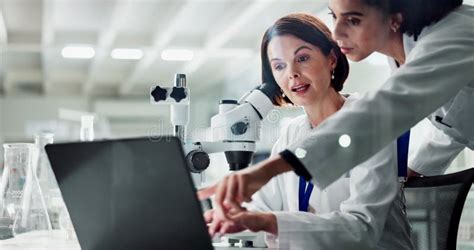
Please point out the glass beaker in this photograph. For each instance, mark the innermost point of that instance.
(33, 214)
(18, 159)
(45, 174)
(57, 211)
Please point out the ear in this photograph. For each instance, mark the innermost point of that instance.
(396, 21)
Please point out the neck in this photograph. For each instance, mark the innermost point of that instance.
(323, 108)
(394, 48)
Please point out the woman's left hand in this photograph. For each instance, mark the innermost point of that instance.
(239, 220)
(238, 187)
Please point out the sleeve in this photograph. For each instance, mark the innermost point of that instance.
(435, 153)
(362, 217)
(430, 77)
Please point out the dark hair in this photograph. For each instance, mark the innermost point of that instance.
(417, 14)
(311, 30)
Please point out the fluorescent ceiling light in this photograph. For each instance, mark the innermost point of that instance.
(177, 55)
(3, 30)
(233, 53)
(127, 54)
(83, 52)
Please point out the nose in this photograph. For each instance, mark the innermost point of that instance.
(293, 76)
(293, 73)
(339, 31)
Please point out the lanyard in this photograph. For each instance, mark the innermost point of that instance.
(304, 194)
(402, 155)
(305, 188)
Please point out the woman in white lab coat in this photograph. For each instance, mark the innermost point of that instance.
(451, 129)
(435, 76)
(361, 210)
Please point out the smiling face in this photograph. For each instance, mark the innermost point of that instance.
(300, 69)
(359, 29)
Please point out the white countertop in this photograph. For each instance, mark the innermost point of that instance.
(39, 240)
(56, 240)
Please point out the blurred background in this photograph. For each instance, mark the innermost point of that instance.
(61, 59)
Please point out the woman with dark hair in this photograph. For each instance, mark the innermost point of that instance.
(300, 57)
(432, 42)
(398, 30)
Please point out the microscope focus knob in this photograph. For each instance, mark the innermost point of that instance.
(178, 94)
(197, 161)
(239, 128)
(159, 94)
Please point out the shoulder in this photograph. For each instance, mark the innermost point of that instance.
(351, 98)
(288, 128)
(291, 130)
(293, 124)
(457, 24)
(298, 121)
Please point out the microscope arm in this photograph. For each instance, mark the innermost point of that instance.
(235, 129)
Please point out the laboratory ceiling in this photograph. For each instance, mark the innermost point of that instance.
(129, 45)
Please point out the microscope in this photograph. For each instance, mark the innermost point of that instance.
(234, 130)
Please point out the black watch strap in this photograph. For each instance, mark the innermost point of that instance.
(298, 167)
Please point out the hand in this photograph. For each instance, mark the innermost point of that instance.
(218, 225)
(239, 186)
(257, 221)
(240, 220)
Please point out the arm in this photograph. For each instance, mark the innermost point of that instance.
(362, 217)
(429, 79)
(435, 153)
(268, 198)
(436, 69)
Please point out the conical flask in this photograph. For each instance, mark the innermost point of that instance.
(58, 213)
(47, 181)
(33, 213)
(18, 159)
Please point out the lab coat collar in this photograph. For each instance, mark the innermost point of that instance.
(350, 98)
(408, 45)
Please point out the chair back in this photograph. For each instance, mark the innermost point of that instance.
(434, 207)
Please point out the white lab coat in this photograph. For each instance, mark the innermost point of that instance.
(361, 210)
(442, 142)
(438, 72)
(435, 153)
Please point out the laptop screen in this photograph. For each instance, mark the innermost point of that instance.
(130, 194)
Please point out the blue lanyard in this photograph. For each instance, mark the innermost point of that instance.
(304, 194)
(402, 154)
(403, 142)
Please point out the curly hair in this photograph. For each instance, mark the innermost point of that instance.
(417, 14)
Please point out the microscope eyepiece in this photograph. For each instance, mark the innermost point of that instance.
(270, 90)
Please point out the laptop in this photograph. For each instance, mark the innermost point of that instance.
(130, 194)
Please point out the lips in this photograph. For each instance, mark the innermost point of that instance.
(300, 88)
(346, 50)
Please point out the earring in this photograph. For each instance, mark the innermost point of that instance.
(282, 93)
(395, 28)
(332, 74)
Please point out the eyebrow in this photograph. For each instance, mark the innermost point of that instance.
(296, 51)
(300, 48)
(349, 13)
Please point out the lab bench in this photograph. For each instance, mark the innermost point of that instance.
(57, 240)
